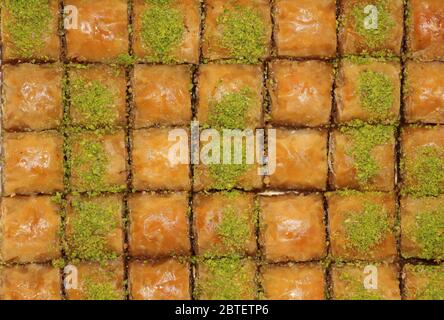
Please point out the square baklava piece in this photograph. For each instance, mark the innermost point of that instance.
(425, 39)
(167, 31)
(365, 282)
(424, 282)
(368, 90)
(424, 92)
(362, 226)
(159, 280)
(30, 30)
(225, 223)
(422, 227)
(305, 28)
(158, 225)
(32, 97)
(162, 96)
(229, 278)
(97, 96)
(33, 163)
(97, 161)
(30, 282)
(422, 161)
(301, 160)
(155, 166)
(229, 96)
(30, 229)
(94, 228)
(363, 158)
(292, 227)
(293, 282)
(368, 26)
(301, 93)
(101, 32)
(237, 30)
(94, 281)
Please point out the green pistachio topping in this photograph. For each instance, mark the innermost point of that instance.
(230, 112)
(225, 279)
(374, 37)
(424, 173)
(101, 291)
(429, 233)
(28, 24)
(243, 33)
(368, 228)
(356, 290)
(234, 228)
(94, 102)
(163, 29)
(376, 93)
(434, 287)
(91, 224)
(364, 139)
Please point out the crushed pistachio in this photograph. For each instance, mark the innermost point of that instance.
(356, 290)
(58, 263)
(27, 26)
(424, 173)
(230, 112)
(243, 33)
(429, 233)
(163, 29)
(100, 291)
(365, 138)
(126, 60)
(94, 102)
(434, 287)
(374, 37)
(91, 223)
(376, 93)
(226, 279)
(368, 228)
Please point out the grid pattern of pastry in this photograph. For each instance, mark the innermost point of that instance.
(93, 209)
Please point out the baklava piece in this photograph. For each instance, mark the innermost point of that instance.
(422, 162)
(362, 225)
(33, 163)
(30, 282)
(30, 229)
(94, 228)
(225, 223)
(306, 28)
(301, 93)
(97, 96)
(167, 31)
(368, 90)
(301, 160)
(97, 161)
(32, 97)
(101, 32)
(293, 282)
(158, 225)
(93, 281)
(363, 158)
(229, 278)
(371, 26)
(160, 161)
(422, 225)
(29, 29)
(365, 282)
(425, 39)
(163, 280)
(162, 95)
(424, 282)
(230, 96)
(424, 92)
(292, 228)
(239, 30)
